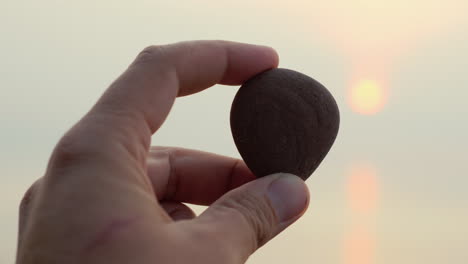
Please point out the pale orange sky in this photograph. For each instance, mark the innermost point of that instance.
(58, 57)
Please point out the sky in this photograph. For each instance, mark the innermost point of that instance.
(393, 187)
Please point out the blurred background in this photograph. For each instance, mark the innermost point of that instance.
(393, 188)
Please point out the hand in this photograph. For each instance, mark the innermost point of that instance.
(108, 197)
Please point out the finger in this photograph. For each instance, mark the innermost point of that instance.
(177, 211)
(193, 176)
(249, 216)
(137, 103)
(119, 127)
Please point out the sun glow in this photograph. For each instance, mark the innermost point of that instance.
(367, 97)
(373, 35)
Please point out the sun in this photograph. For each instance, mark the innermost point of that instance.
(367, 97)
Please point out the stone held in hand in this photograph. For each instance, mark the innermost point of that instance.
(284, 121)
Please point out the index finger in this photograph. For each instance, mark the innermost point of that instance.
(138, 102)
(160, 73)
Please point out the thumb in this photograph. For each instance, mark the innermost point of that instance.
(247, 217)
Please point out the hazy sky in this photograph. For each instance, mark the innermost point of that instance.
(393, 188)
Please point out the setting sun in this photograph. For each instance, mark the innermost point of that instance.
(366, 97)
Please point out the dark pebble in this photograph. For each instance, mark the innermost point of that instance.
(284, 121)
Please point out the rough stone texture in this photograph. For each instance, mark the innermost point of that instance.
(284, 121)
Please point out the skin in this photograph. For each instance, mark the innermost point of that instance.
(109, 197)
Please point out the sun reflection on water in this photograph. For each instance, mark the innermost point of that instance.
(362, 199)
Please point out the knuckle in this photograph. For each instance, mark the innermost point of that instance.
(28, 197)
(151, 54)
(70, 150)
(257, 214)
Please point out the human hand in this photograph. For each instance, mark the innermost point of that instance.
(108, 197)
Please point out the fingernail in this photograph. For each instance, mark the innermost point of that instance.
(288, 196)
